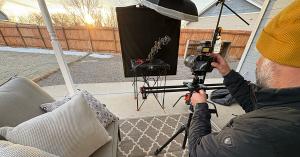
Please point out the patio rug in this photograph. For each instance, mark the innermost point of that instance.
(141, 137)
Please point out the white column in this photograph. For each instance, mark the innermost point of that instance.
(57, 48)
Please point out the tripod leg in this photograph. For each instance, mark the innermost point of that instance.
(187, 130)
(155, 95)
(185, 139)
(119, 133)
(137, 95)
(178, 100)
(182, 128)
(134, 87)
(141, 105)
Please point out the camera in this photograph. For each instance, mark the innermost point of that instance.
(200, 63)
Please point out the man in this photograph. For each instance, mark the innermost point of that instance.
(271, 125)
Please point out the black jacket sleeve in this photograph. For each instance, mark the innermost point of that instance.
(200, 126)
(240, 89)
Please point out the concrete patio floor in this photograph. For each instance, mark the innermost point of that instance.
(119, 98)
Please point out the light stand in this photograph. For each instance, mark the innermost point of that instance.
(217, 30)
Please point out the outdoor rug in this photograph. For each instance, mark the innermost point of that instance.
(141, 137)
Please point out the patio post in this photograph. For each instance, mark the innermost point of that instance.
(57, 48)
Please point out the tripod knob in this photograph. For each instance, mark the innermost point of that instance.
(214, 111)
(143, 92)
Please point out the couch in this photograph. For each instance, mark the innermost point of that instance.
(20, 100)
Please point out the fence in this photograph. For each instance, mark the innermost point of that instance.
(103, 39)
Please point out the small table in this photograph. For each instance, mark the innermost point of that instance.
(149, 71)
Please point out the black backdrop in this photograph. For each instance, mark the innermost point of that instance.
(139, 27)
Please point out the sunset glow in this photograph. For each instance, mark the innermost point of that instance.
(89, 19)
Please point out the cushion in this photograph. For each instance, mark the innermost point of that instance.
(72, 130)
(20, 100)
(8, 149)
(103, 114)
(110, 149)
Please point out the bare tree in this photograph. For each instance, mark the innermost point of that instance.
(59, 19)
(76, 15)
(63, 19)
(33, 18)
(83, 8)
(112, 20)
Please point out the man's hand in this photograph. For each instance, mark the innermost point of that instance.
(220, 64)
(198, 98)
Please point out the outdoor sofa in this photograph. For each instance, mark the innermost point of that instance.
(20, 100)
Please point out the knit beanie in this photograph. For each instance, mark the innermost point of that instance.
(280, 39)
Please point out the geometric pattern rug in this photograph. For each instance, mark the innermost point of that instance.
(141, 137)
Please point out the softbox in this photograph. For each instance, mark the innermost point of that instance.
(177, 9)
(139, 28)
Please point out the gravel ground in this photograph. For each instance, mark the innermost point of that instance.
(29, 65)
(94, 70)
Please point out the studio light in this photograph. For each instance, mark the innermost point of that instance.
(177, 9)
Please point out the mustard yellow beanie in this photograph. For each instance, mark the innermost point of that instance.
(280, 39)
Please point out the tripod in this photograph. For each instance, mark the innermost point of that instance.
(184, 128)
(196, 85)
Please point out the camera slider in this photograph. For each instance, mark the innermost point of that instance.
(187, 86)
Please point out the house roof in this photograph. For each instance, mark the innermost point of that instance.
(3, 16)
(257, 3)
(228, 22)
(203, 5)
(250, 5)
(208, 12)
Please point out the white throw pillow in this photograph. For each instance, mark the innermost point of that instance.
(8, 149)
(72, 130)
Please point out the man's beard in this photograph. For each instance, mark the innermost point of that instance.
(264, 74)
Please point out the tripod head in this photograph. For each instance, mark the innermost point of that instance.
(194, 86)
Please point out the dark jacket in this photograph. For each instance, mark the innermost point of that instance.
(270, 128)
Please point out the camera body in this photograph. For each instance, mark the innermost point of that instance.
(200, 63)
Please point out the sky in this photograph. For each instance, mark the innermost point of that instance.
(24, 7)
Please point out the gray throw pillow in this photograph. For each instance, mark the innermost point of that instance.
(8, 149)
(69, 131)
(104, 116)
